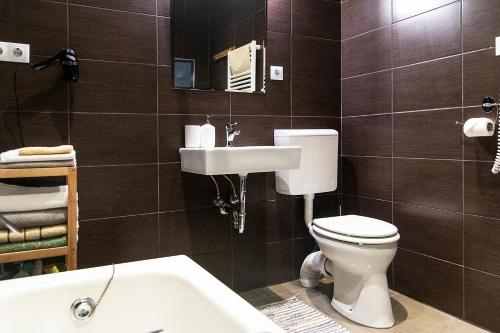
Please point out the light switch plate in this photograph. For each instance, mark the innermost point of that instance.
(14, 52)
(277, 73)
(497, 46)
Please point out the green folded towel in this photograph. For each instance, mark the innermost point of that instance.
(34, 245)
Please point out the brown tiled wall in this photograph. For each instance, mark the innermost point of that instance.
(410, 71)
(127, 125)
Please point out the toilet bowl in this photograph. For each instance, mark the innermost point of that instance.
(358, 252)
(355, 250)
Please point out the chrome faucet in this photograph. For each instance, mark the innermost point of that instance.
(232, 130)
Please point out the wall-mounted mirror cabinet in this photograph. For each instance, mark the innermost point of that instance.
(219, 45)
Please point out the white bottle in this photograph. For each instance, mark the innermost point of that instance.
(207, 134)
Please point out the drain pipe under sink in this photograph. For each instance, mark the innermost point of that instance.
(313, 266)
(240, 225)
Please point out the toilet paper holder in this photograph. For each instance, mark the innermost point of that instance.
(489, 105)
(490, 126)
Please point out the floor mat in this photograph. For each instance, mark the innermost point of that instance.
(294, 316)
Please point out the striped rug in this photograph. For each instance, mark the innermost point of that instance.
(294, 316)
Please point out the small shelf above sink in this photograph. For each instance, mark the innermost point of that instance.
(239, 160)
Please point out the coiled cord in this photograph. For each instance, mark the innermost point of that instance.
(496, 165)
(18, 107)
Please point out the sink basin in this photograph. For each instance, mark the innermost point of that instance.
(239, 160)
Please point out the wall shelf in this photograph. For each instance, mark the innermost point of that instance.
(69, 251)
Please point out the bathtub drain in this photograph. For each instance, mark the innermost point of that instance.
(84, 307)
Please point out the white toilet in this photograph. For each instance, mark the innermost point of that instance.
(355, 250)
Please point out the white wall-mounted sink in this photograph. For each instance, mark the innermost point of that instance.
(239, 160)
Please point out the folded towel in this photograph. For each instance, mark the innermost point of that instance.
(37, 218)
(12, 156)
(30, 234)
(53, 231)
(48, 164)
(29, 151)
(239, 60)
(22, 199)
(8, 189)
(34, 245)
(24, 235)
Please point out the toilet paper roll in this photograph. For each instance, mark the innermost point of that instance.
(192, 135)
(476, 127)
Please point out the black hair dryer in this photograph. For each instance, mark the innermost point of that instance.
(68, 60)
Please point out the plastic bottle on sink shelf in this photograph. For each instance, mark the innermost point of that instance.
(207, 134)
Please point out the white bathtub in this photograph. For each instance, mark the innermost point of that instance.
(171, 294)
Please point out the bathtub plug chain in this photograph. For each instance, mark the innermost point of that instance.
(105, 288)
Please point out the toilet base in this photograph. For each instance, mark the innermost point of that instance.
(373, 306)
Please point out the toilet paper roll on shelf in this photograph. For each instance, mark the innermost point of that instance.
(478, 127)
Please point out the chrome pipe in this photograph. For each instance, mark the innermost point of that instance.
(216, 186)
(233, 199)
(243, 195)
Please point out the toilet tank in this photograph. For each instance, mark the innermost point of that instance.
(318, 161)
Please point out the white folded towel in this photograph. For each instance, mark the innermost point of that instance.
(239, 60)
(21, 198)
(12, 156)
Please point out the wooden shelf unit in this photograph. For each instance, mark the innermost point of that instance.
(69, 251)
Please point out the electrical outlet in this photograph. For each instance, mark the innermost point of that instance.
(277, 73)
(14, 52)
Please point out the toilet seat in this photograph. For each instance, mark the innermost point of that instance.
(356, 229)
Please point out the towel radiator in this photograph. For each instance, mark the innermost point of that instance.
(246, 82)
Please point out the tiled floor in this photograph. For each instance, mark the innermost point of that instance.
(411, 316)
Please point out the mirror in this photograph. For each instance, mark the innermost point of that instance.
(219, 45)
